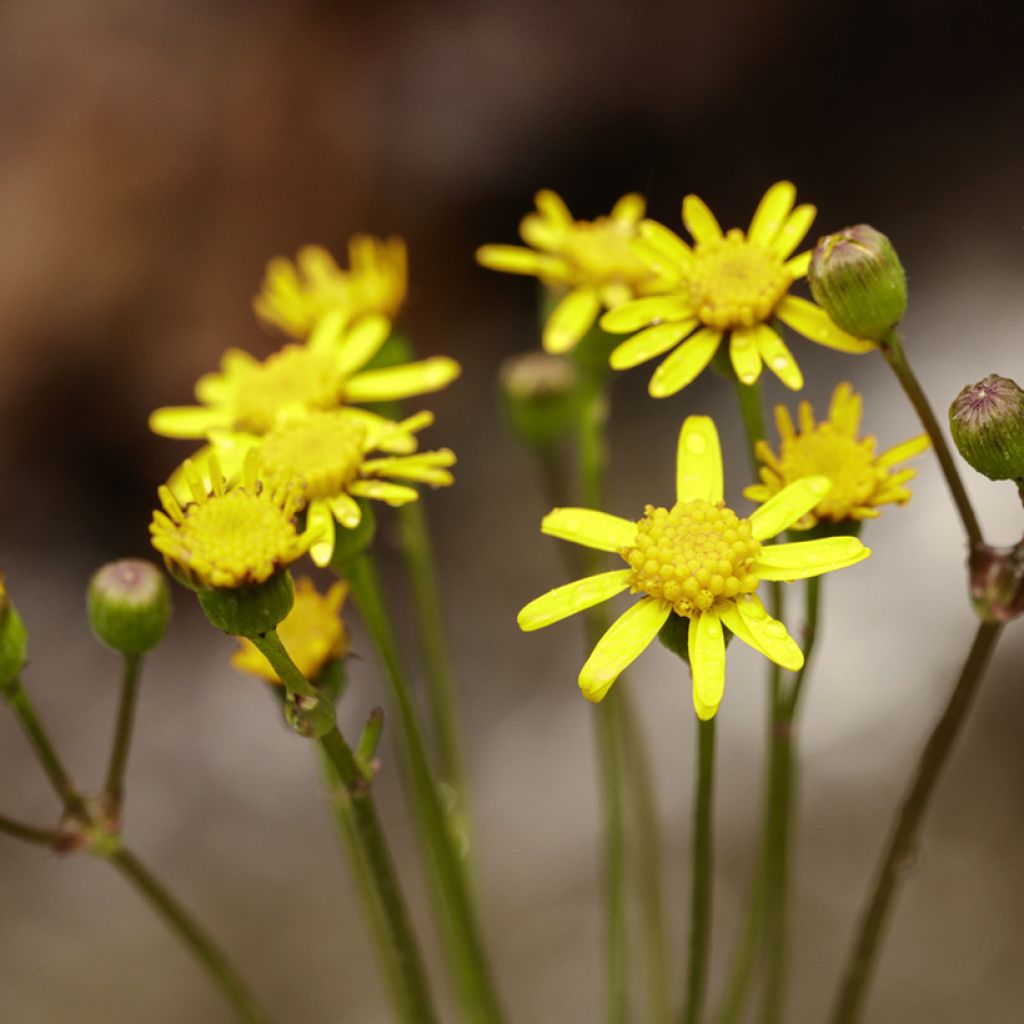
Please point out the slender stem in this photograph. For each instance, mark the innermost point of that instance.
(700, 902)
(216, 963)
(442, 700)
(114, 787)
(812, 620)
(892, 350)
(453, 904)
(899, 853)
(752, 412)
(31, 833)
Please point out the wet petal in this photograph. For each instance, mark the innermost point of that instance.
(806, 558)
(790, 504)
(592, 529)
(794, 231)
(707, 663)
(320, 523)
(699, 461)
(749, 620)
(771, 213)
(570, 320)
(685, 364)
(813, 322)
(574, 597)
(648, 343)
(778, 358)
(640, 312)
(745, 354)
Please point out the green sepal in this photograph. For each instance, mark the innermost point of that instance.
(249, 611)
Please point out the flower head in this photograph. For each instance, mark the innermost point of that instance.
(861, 479)
(592, 259)
(249, 395)
(312, 632)
(731, 284)
(228, 536)
(697, 559)
(295, 296)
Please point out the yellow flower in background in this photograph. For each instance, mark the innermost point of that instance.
(592, 260)
(294, 297)
(729, 284)
(312, 632)
(249, 395)
(861, 479)
(699, 560)
(228, 535)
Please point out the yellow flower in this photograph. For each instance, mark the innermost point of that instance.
(861, 480)
(593, 260)
(731, 284)
(228, 536)
(312, 633)
(250, 395)
(699, 560)
(295, 296)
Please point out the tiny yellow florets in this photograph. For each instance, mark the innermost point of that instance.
(694, 556)
(323, 449)
(736, 283)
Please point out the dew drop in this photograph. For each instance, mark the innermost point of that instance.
(696, 444)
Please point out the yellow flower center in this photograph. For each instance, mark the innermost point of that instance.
(735, 283)
(295, 376)
(601, 251)
(324, 450)
(848, 463)
(695, 556)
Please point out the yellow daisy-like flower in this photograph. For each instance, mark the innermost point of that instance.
(312, 633)
(594, 260)
(249, 395)
(229, 536)
(728, 283)
(861, 480)
(294, 297)
(699, 560)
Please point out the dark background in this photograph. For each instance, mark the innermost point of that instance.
(154, 155)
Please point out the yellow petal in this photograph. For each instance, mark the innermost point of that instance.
(592, 529)
(648, 343)
(570, 320)
(750, 621)
(640, 312)
(514, 259)
(541, 233)
(685, 364)
(784, 423)
(845, 408)
(806, 558)
(187, 421)
(657, 263)
(790, 504)
(799, 265)
(793, 232)
(346, 510)
(551, 206)
(675, 250)
(813, 322)
(771, 213)
(706, 644)
(699, 461)
(328, 330)
(361, 344)
(758, 492)
(700, 221)
(575, 597)
(630, 208)
(320, 523)
(904, 451)
(625, 641)
(394, 382)
(778, 358)
(745, 355)
(381, 490)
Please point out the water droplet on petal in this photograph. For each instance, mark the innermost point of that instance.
(776, 630)
(696, 444)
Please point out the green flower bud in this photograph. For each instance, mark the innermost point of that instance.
(129, 605)
(987, 423)
(537, 393)
(857, 278)
(249, 611)
(13, 642)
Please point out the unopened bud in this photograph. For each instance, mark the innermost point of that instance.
(129, 605)
(987, 423)
(857, 278)
(537, 393)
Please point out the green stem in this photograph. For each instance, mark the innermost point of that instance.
(752, 412)
(442, 700)
(114, 788)
(892, 350)
(900, 851)
(700, 901)
(453, 905)
(218, 966)
(31, 833)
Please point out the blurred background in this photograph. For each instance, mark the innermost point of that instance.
(153, 157)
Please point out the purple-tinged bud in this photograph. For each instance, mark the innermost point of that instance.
(987, 423)
(129, 605)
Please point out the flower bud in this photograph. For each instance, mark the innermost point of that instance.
(987, 423)
(537, 392)
(857, 278)
(129, 605)
(13, 642)
(249, 611)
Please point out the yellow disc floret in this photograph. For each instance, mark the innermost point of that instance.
(735, 283)
(323, 449)
(695, 556)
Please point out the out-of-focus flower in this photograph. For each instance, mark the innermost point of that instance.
(592, 260)
(861, 479)
(698, 560)
(728, 284)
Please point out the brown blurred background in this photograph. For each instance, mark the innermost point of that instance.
(154, 155)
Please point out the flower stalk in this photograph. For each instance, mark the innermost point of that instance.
(113, 789)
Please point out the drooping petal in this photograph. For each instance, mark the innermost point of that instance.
(706, 644)
(793, 232)
(749, 620)
(570, 320)
(592, 529)
(699, 461)
(346, 510)
(778, 358)
(771, 213)
(700, 221)
(637, 313)
(648, 343)
(630, 208)
(906, 450)
(320, 523)
(813, 322)
(382, 490)
(571, 598)
(626, 640)
(394, 382)
(187, 421)
(516, 259)
(745, 355)
(790, 504)
(362, 343)
(805, 558)
(685, 364)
